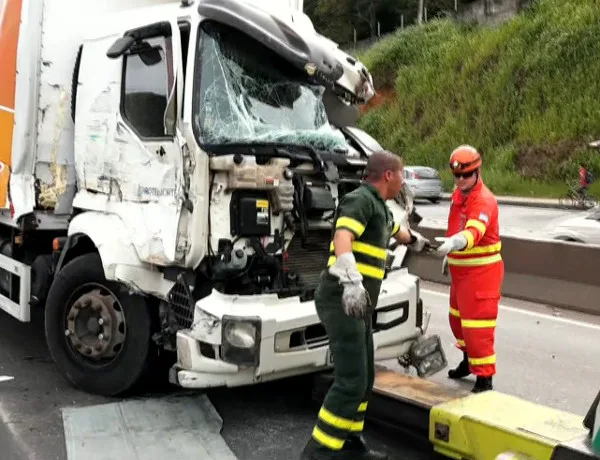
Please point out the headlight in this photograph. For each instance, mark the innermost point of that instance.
(240, 335)
(240, 340)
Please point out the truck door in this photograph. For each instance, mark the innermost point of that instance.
(127, 140)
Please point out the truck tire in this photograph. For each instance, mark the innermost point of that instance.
(99, 335)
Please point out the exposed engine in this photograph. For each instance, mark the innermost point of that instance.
(279, 213)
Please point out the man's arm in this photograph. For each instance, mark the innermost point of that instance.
(342, 241)
(478, 219)
(410, 238)
(354, 212)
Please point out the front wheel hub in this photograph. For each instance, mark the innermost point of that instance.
(96, 325)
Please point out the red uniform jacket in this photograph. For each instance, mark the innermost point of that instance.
(476, 216)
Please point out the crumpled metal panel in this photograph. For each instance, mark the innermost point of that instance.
(177, 427)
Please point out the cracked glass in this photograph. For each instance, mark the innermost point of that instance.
(247, 93)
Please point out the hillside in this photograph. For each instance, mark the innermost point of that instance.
(527, 93)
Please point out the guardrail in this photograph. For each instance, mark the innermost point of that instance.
(555, 273)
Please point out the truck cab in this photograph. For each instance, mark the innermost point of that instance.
(208, 169)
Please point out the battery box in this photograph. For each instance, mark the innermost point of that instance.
(250, 213)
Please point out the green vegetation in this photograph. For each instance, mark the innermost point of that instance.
(527, 93)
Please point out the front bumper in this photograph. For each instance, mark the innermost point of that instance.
(283, 337)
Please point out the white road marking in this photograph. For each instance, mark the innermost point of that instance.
(5, 378)
(525, 312)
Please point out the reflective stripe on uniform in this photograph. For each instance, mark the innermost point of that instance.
(461, 342)
(351, 224)
(481, 361)
(396, 228)
(328, 441)
(478, 323)
(470, 238)
(363, 406)
(365, 248)
(492, 248)
(454, 312)
(474, 261)
(340, 423)
(364, 269)
(476, 224)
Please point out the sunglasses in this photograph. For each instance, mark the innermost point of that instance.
(464, 175)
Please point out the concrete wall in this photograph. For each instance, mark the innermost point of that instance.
(491, 11)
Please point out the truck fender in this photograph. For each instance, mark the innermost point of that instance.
(106, 234)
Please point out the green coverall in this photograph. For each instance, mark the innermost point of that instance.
(366, 215)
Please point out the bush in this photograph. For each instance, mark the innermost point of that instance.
(524, 92)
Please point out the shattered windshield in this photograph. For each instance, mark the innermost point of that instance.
(247, 93)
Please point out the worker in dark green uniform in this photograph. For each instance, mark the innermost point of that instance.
(345, 299)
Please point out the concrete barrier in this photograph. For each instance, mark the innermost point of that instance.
(555, 273)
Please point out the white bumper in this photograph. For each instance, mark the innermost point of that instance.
(290, 339)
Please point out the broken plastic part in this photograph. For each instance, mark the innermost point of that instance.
(248, 94)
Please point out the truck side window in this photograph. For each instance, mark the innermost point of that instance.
(146, 84)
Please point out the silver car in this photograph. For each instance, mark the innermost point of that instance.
(425, 182)
(578, 228)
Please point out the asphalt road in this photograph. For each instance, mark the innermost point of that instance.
(514, 220)
(270, 421)
(544, 356)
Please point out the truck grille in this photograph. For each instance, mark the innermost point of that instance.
(181, 303)
(309, 260)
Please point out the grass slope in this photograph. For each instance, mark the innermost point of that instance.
(527, 93)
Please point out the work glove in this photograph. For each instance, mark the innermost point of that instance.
(419, 242)
(355, 298)
(445, 266)
(456, 242)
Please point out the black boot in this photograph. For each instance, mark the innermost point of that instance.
(315, 451)
(357, 444)
(462, 370)
(482, 384)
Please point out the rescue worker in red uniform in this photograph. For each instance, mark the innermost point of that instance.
(471, 251)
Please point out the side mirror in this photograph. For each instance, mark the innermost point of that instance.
(120, 47)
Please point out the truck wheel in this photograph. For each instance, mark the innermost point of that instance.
(98, 334)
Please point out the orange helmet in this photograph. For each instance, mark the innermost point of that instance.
(465, 159)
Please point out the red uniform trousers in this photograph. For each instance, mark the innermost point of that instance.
(474, 298)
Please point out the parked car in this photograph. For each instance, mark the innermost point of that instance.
(425, 182)
(583, 228)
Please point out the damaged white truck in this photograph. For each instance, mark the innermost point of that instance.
(169, 175)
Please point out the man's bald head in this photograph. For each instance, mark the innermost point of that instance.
(380, 162)
(384, 172)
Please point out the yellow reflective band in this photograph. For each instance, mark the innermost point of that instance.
(481, 249)
(363, 269)
(476, 224)
(396, 229)
(470, 238)
(363, 406)
(485, 360)
(365, 248)
(461, 342)
(357, 426)
(335, 421)
(478, 323)
(454, 312)
(350, 224)
(476, 261)
(326, 440)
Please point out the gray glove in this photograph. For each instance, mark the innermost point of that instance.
(419, 243)
(355, 299)
(456, 242)
(445, 266)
